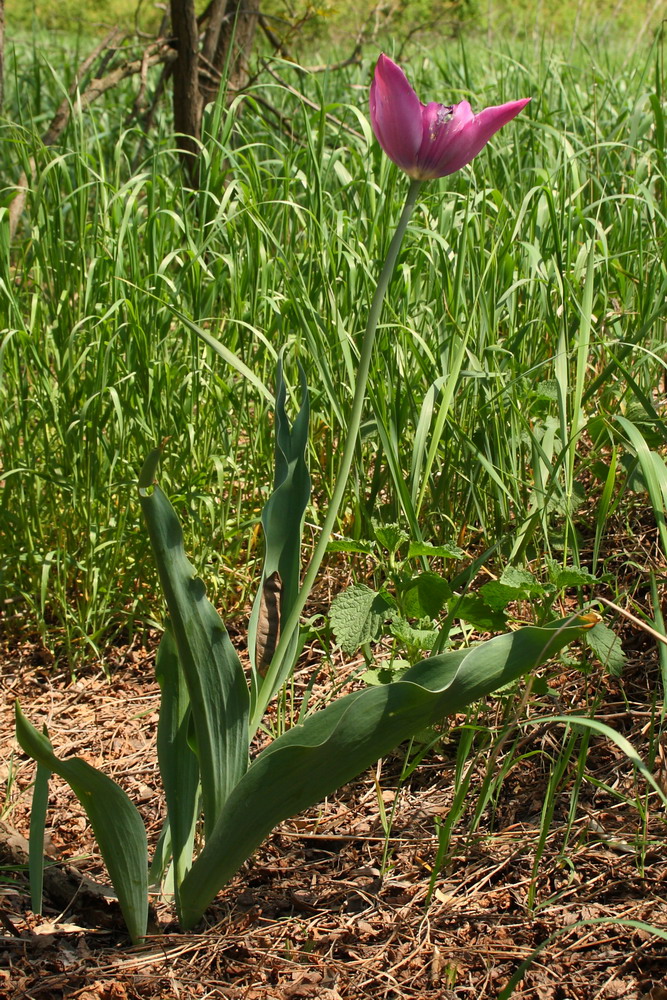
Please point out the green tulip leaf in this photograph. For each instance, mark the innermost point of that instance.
(213, 673)
(333, 746)
(282, 521)
(40, 801)
(179, 769)
(116, 823)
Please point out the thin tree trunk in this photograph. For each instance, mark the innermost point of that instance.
(216, 17)
(235, 43)
(187, 96)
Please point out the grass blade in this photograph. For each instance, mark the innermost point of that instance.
(639, 925)
(655, 475)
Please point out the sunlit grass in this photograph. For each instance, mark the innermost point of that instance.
(529, 286)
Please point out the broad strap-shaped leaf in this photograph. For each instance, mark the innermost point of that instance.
(213, 673)
(178, 762)
(332, 746)
(116, 823)
(282, 520)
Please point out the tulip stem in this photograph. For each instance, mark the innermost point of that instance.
(365, 356)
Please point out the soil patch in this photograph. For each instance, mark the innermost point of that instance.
(335, 903)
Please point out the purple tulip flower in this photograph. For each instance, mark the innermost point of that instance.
(429, 140)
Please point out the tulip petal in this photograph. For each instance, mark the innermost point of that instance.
(458, 140)
(395, 114)
(429, 140)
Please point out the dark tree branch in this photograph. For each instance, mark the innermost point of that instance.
(311, 104)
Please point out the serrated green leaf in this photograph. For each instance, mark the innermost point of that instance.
(386, 673)
(213, 673)
(514, 585)
(332, 746)
(521, 579)
(546, 389)
(118, 827)
(449, 551)
(607, 648)
(569, 576)
(419, 638)
(390, 536)
(357, 616)
(497, 596)
(425, 595)
(476, 612)
(343, 545)
(567, 505)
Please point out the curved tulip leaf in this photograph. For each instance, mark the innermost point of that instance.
(332, 746)
(282, 520)
(116, 823)
(216, 684)
(179, 769)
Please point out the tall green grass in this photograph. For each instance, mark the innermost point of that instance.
(529, 287)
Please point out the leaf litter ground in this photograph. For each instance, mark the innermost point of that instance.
(313, 914)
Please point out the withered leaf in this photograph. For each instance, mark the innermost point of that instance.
(268, 622)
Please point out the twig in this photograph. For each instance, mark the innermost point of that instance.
(139, 103)
(272, 37)
(311, 104)
(637, 621)
(352, 60)
(62, 115)
(149, 115)
(285, 122)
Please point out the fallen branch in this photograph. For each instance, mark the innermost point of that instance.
(63, 884)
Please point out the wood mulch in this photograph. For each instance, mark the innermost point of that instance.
(331, 906)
